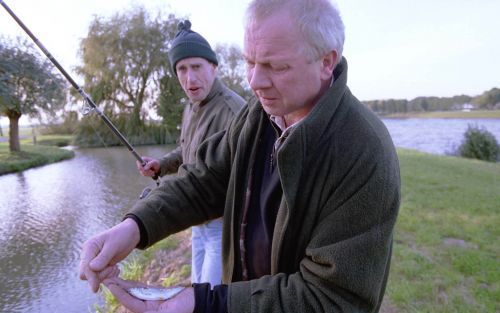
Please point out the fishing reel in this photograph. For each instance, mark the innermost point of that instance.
(145, 192)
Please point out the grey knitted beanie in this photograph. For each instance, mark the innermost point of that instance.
(188, 44)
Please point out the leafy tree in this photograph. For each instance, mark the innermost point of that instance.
(231, 69)
(1, 130)
(124, 58)
(170, 104)
(489, 99)
(69, 124)
(28, 85)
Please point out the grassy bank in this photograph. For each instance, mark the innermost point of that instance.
(46, 151)
(448, 114)
(167, 263)
(446, 252)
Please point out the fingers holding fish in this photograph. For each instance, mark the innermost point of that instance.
(118, 287)
(109, 272)
(139, 297)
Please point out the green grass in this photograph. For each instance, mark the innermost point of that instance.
(448, 114)
(177, 277)
(446, 252)
(33, 155)
(133, 269)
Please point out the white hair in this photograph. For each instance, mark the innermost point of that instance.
(318, 21)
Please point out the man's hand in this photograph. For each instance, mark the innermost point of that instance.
(102, 252)
(181, 303)
(150, 169)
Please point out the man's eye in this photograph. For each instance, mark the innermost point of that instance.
(279, 68)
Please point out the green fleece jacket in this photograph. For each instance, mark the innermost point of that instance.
(332, 240)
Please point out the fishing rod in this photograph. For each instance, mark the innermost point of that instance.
(85, 96)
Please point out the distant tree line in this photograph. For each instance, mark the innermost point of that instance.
(489, 100)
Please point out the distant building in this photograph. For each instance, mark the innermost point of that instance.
(467, 107)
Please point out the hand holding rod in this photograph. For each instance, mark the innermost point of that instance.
(85, 96)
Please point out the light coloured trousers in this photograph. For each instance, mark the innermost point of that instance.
(206, 260)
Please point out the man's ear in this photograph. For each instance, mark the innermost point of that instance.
(328, 63)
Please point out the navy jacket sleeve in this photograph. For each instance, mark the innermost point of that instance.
(210, 301)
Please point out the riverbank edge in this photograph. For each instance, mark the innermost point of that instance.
(476, 114)
(31, 156)
(414, 255)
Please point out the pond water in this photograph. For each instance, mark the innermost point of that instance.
(46, 213)
(437, 136)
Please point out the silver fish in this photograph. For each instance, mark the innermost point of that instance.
(154, 293)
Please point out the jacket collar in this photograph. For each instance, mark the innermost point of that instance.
(217, 88)
(322, 113)
(306, 134)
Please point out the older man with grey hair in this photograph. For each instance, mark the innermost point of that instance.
(309, 178)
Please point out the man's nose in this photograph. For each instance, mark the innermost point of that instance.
(259, 78)
(190, 75)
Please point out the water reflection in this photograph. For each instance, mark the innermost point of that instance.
(45, 215)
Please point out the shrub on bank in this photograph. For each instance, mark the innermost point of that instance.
(480, 144)
(55, 140)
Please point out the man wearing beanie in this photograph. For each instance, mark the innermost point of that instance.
(211, 108)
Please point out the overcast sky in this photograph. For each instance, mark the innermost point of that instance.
(395, 49)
